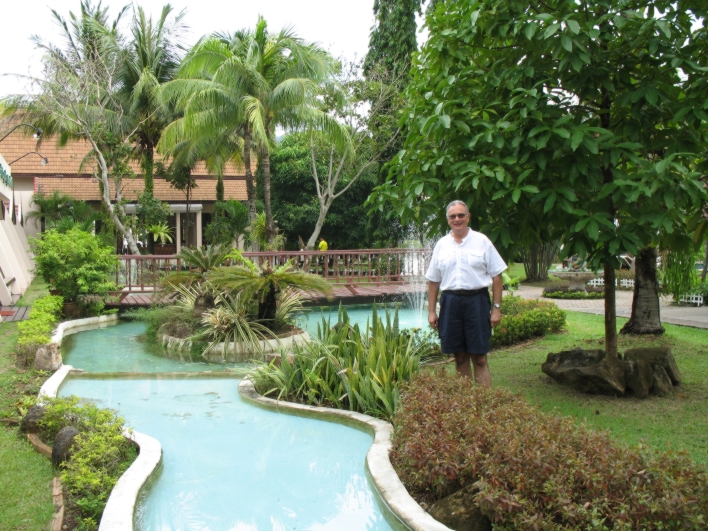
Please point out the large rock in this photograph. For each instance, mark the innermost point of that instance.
(661, 386)
(639, 376)
(459, 511)
(30, 422)
(657, 356)
(588, 371)
(63, 443)
(48, 357)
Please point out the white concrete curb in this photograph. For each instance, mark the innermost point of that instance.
(120, 508)
(80, 325)
(387, 483)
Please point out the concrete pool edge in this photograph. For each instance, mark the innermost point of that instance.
(120, 509)
(386, 481)
(75, 326)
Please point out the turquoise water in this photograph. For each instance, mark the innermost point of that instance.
(227, 465)
(123, 348)
(358, 314)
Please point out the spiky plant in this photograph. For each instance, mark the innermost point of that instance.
(265, 282)
(204, 259)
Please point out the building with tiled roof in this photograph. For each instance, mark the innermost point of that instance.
(42, 165)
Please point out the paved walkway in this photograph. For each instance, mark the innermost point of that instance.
(696, 317)
(14, 313)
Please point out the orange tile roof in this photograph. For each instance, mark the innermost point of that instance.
(66, 160)
(86, 188)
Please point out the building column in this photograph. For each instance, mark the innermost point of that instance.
(199, 229)
(178, 231)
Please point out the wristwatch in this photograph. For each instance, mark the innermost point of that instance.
(497, 305)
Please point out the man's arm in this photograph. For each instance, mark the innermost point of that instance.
(433, 288)
(497, 286)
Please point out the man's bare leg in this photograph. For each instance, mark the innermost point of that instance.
(481, 370)
(462, 362)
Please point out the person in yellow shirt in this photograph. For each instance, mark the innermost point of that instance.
(322, 246)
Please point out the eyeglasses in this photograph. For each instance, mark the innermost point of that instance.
(458, 216)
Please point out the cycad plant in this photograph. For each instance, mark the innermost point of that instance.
(264, 283)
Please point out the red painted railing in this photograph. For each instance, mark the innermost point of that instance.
(376, 266)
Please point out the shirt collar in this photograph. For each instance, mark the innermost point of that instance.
(462, 242)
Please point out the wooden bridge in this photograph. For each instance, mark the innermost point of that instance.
(356, 275)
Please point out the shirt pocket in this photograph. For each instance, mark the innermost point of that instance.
(476, 260)
(446, 260)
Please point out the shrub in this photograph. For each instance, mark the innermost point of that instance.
(74, 263)
(37, 330)
(565, 292)
(345, 367)
(524, 319)
(101, 455)
(536, 470)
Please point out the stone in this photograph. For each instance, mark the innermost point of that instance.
(657, 356)
(30, 422)
(588, 371)
(460, 512)
(661, 385)
(48, 357)
(63, 443)
(203, 303)
(639, 376)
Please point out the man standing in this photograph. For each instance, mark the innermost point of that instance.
(464, 264)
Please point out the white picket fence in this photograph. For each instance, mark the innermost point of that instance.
(629, 283)
(692, 299)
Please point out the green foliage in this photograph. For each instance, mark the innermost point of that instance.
(678, 274)
(295, 204)
(62, 212)
(229, 221)
(74, 263)
(536, 470)
(175, 321)
(204, 259)
(393, 38)
(345, 368)
(555, 124)
(563, 292)
(525, 319)
(152, 211)
(264, 283)
(37, 330)
(160, 232)
(102, 453)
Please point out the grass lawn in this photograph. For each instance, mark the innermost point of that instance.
(679, 421)
(516, 270)
(25, 476)
(37, 289)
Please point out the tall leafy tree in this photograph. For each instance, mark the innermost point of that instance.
(248, 84)
(154, 55)
(393, 38)
(587, 117)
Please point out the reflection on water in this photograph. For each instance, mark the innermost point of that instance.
(228, 465)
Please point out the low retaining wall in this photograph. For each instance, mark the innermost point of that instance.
(75, 326)
(387, 483)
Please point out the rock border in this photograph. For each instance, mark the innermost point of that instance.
(389, 486)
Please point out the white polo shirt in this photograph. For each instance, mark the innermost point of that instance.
(470, 264)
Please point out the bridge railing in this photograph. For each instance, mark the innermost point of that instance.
(375, 266)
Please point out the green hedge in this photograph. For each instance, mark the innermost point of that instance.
(37, 330)
(564, 292)
(537, 470)
(524, 319)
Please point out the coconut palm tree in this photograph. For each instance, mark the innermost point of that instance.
(249, 83)
(154, 55)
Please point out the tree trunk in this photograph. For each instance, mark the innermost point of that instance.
(267, 307)
(324, 208)
(705, 265)
(610, 310)
(270, 225)
(250, 189)
(148, 170)
(186, 220)
(538, 258)
(220, 187)
(645, 318)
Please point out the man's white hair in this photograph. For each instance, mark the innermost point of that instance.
(455, 203)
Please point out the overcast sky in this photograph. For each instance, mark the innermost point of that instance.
(341, 26)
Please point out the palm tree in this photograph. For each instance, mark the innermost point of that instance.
(248, 83)
(229, 222)
(265, 283)
(154, 55)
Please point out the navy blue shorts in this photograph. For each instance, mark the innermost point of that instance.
(465, 323)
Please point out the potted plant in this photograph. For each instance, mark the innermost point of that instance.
(74, 264)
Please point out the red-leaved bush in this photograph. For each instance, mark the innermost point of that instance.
(537, 471)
